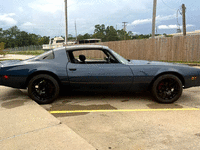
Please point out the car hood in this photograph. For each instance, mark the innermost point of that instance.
(145, 62)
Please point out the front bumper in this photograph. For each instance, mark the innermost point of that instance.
(192, 81)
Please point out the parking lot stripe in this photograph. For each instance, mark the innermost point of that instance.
(123, 110)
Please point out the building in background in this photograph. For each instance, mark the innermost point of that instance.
(56, 43)
(196, 32)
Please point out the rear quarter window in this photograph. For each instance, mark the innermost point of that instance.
(46, 55)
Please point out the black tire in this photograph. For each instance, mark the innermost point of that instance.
(43, 89)
(167, 89)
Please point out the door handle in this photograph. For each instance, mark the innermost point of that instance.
(72, 69)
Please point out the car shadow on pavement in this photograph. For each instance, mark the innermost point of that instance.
(90, 96)
(11, 94)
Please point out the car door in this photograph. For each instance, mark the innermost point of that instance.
(112, 76)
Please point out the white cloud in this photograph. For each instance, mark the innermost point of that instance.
(189, 25)
(141, 21)
(50, 6)
(28, 24)
(136, 33)
(7, 19)
(162, 18)
(168, 27)
(20, 9)
(173, 26)
(149, 20)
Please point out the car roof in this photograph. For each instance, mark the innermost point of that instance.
(79, 47)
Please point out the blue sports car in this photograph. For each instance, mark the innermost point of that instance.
(96, 68)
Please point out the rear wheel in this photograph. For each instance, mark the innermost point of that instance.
(43, 89)
(167, 89)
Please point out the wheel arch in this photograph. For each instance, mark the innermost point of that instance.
(164, 73)
(42, 72)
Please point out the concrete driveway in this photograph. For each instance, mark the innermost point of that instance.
(117, 121)
(24, 125)
(131, 121)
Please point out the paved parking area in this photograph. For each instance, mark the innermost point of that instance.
(131, 121)
(24, 125)
(123, 120)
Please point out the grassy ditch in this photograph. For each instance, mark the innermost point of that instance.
(34, 52)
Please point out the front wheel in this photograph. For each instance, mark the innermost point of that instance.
(43, 89)
(167, 89)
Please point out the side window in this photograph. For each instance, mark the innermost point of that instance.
(91, 57)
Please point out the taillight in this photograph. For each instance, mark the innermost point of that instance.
(6, 77)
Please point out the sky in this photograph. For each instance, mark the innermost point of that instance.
(47, 17)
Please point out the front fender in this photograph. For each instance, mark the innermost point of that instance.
(184, 73)
(169, 70)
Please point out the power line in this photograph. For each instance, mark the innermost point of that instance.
(168, 5)
(178, 29)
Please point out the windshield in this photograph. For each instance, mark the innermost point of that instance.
(120, 58)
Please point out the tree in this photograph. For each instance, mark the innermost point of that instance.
(13, 37)
(111, 34)
(99, 32)
(71, 38)
(121, 33)
(22, 39)
(86, 36)
(43, 40)
(14, 31)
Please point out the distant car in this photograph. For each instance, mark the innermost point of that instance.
(96, 68)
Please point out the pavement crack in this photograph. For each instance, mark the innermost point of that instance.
(30, 132)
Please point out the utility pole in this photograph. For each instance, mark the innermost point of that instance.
(184, 20)
(124, 29)
(154, 18)
(124, 25)
(66, 26)
(75, 30)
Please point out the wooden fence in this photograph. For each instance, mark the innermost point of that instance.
(177, 48)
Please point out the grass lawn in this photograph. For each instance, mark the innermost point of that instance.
(34, 52)
(8, 59)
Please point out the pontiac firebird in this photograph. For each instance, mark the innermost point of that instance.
(45, 75)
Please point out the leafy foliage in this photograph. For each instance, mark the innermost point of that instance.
(109, 33)
(13, 37)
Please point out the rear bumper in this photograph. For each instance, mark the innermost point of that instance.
(13, 81)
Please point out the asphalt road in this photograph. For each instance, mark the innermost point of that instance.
(124, 120)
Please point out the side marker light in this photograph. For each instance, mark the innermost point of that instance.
(194, 78)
